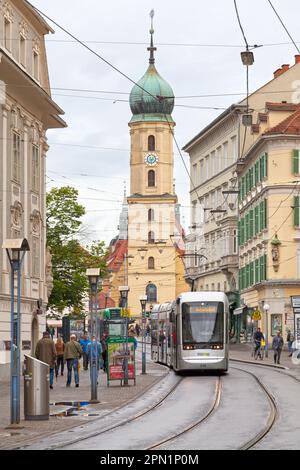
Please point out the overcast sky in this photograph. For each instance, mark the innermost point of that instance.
(190, 37)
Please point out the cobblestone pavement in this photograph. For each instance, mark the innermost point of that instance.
(110, 398)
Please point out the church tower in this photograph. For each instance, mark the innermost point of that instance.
(151, 206)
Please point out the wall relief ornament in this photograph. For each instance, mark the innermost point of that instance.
(16, 212)
(275, 243)
(35, 219)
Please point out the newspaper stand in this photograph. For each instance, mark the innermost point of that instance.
(120, 348)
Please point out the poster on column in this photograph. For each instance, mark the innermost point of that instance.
(116, 355)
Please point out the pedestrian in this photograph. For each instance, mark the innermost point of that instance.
(104, 351)
(131, 334)
(290, 340)
(277, 346)
(72, 354)
(84, 341)
(45, 352)
(148, 330)
(137, 329)
(94, 350)
(59, 347)
(258, 339)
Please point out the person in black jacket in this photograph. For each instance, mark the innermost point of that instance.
(258, 337)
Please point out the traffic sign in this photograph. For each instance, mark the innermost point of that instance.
(256, 315)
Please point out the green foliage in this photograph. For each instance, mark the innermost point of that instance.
(69, 259)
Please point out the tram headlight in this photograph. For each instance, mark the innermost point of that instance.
(188, 347)
(217, 346)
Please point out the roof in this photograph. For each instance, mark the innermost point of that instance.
(104, 301)
(283, 106)
(116, 258)
(289, 126)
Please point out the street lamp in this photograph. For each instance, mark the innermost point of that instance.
(143, 301)
(16, 249)
(124, 297)
(266, 308)
(93, 275)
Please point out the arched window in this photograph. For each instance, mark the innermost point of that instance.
(150, 215)
(151, 263)
(151, 237)
(151, 292)
(151, 178)
(151, 142)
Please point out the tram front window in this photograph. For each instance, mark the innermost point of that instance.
(203, 324)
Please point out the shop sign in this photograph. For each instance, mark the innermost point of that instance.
(256, 315)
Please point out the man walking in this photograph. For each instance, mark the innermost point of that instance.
(72, 354)
(45, 352)
(277, 346)
(84, 341)
(94, 350)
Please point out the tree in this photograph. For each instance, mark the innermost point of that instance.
(69, 259)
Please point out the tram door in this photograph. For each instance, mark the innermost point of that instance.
(162, 343)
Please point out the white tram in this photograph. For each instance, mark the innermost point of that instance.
(191, 332)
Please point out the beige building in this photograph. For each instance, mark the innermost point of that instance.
(27, 111)
(214, 154)
(269, 220)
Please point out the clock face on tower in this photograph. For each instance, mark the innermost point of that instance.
(151, 159)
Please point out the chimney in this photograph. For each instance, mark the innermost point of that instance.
(278, 72)
(297, 58)
(285, 67)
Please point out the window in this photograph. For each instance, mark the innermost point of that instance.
(234, 242)
(7, 34)
(35, 168)
(213, 163)
(150, 215)
(35, 65)
(151, 238)
(207, 170)
(151, 142)
(151, 178)
(16, 158)
(234, 148)
(35, 257)
(195, 173)
(22, 51)
(296, 211)
(151, 292)
(201, 171)
(225, 154)
(219, 287)
(225, 286)
(219, 160)
(195, 258)
(151, 264)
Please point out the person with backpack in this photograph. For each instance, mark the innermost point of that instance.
(72, 354)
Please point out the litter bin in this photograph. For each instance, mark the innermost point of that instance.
(36, 389)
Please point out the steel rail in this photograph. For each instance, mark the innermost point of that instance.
(212, 409)
(119, 424)
(272, 416)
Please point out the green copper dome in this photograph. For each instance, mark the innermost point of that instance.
(152, 99)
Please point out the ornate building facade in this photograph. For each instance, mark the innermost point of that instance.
(27, 111)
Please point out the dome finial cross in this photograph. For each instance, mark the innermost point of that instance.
(151, 48)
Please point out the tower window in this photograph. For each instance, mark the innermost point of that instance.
(151, 142)
(151, 292)
(151, 264)
(151, 238)
(151, 178)
(150, 215)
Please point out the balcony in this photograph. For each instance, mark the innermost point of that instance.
(229, 261)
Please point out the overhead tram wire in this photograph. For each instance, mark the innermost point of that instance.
(125, 76)
(285, 28)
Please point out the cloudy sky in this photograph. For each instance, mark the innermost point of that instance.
(199, 45)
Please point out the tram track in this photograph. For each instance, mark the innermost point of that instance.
(272, 416)
(121, 423)
(213, 408)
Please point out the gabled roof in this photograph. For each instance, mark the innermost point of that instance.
(289, 126)
(116, 258)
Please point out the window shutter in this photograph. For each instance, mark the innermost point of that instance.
(262, 260)
(242, 222)
(256, 176)
(246, 227)
(256, 220)
(295, 162)
(265, 213)
(240, 279)
(251, 273)
(296, 211)
(261, 215)
(257, 278)
(251, 231)
(266, 164)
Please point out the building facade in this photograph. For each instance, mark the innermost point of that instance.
(269, 253)
(27, 111)
(215, 154)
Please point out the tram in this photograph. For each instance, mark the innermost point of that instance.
(191, 333)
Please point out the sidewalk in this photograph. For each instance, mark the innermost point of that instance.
(243, 352)
(110, 398)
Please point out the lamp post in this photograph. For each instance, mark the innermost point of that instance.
(266, 308)
(143, 300)
(16, 249)
(93, 275)
(124, 297)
